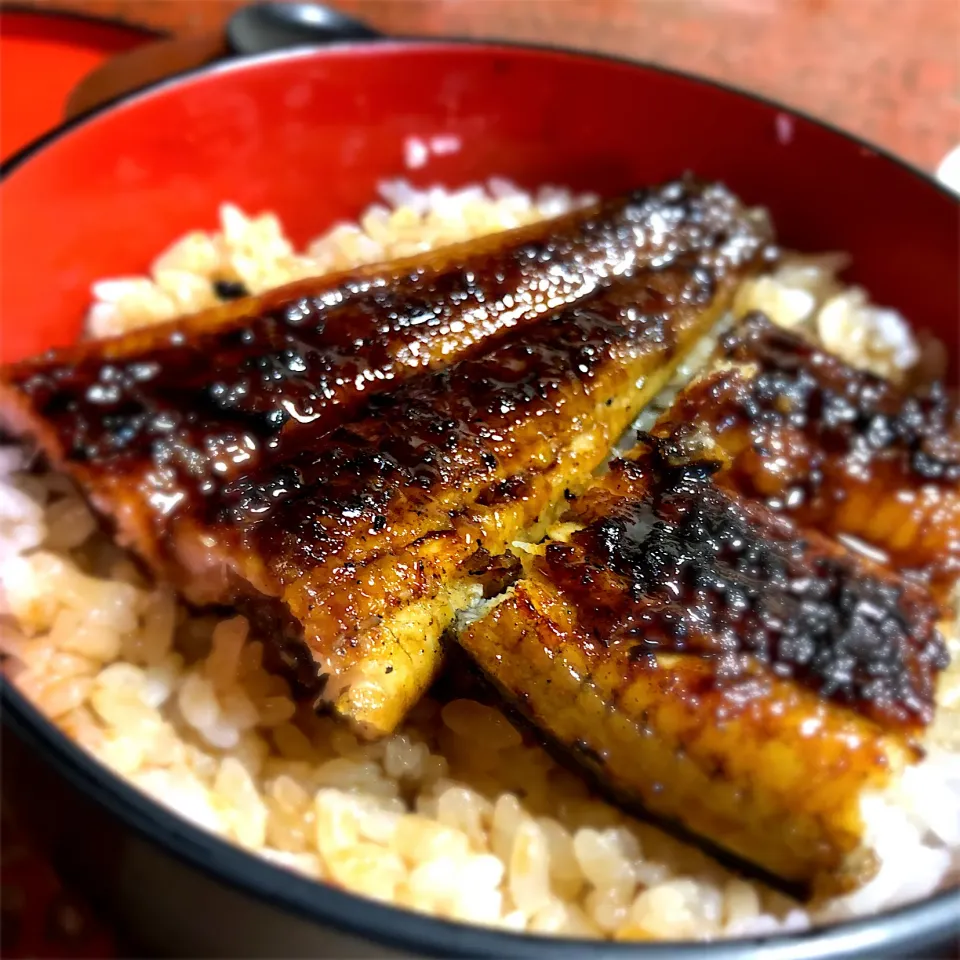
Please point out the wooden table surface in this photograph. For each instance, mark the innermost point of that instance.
(888, 70)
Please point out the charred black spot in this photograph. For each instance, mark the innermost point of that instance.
(850, 412)
(687, 568)
(230, 289)
(837, 434)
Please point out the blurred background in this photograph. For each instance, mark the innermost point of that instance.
(887, 70)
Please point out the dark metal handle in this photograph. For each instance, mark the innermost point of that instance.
(262, 27)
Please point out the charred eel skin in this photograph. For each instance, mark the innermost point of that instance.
(371, 545)
(154, 423)
(353, 533)
(835, 448)
(697, 655)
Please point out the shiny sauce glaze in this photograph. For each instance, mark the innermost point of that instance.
(185, 408)
(386, 511)
(475, 432)
(834, 447)
(668, 561)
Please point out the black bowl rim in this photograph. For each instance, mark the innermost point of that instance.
(935, 919)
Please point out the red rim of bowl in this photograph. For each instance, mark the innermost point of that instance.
(910, 928)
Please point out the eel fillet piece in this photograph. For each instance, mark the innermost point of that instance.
(835, 448)
(375, 551)
(705, 663)
(355, 542)
(153, 423)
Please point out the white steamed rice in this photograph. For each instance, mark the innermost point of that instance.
(456, 814)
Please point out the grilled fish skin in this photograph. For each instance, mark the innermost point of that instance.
(371, 550)
(835, 448)
(155, 422)
(353, 537)
(706, 664)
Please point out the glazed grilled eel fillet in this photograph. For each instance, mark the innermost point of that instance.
(356, 542)
(154, 423)
(707, 664)
(835, 448)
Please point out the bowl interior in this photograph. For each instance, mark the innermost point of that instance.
(310, 134)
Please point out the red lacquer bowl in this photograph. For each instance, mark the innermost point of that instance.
(44, 54)
(309, 134)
